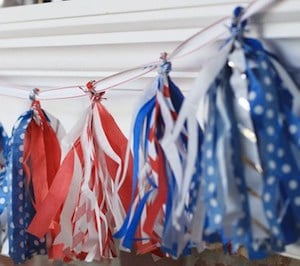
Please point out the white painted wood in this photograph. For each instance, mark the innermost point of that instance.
(79, 8)
(74, 41)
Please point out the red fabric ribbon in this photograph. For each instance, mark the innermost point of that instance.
(42, 155)
(101, 168)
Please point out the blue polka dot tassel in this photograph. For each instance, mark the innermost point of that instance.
(34, 158)
(250, 152)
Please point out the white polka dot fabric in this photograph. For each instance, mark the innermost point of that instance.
(251, 190)
(22, 246)
(3, 184)
(276, 128)
(3, 169)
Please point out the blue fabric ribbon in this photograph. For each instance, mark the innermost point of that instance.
(22, 246)
(142, 129)
(277, 128)
(170, 236)
(212, 180)
(3, 169)
(137, 131)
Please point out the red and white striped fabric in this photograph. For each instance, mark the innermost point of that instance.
(91, 192)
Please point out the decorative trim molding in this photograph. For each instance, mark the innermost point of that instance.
(76, 39)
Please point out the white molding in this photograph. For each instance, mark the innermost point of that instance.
(79, 8)
(113, 38)
(109, 36)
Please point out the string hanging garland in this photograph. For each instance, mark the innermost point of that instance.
(186, 202)
(206, 37)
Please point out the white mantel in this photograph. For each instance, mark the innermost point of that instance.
(63, 42)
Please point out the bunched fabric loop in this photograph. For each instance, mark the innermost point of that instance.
(165, 66)
(238, 25)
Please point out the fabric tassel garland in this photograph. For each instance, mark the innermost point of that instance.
(219, 165)
(157, 174)
(91, 191)
(250, 151)
(34, 159)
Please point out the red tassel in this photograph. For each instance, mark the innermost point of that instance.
(56, 196)
(102, 170)
(119, 144)
(42, 155)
